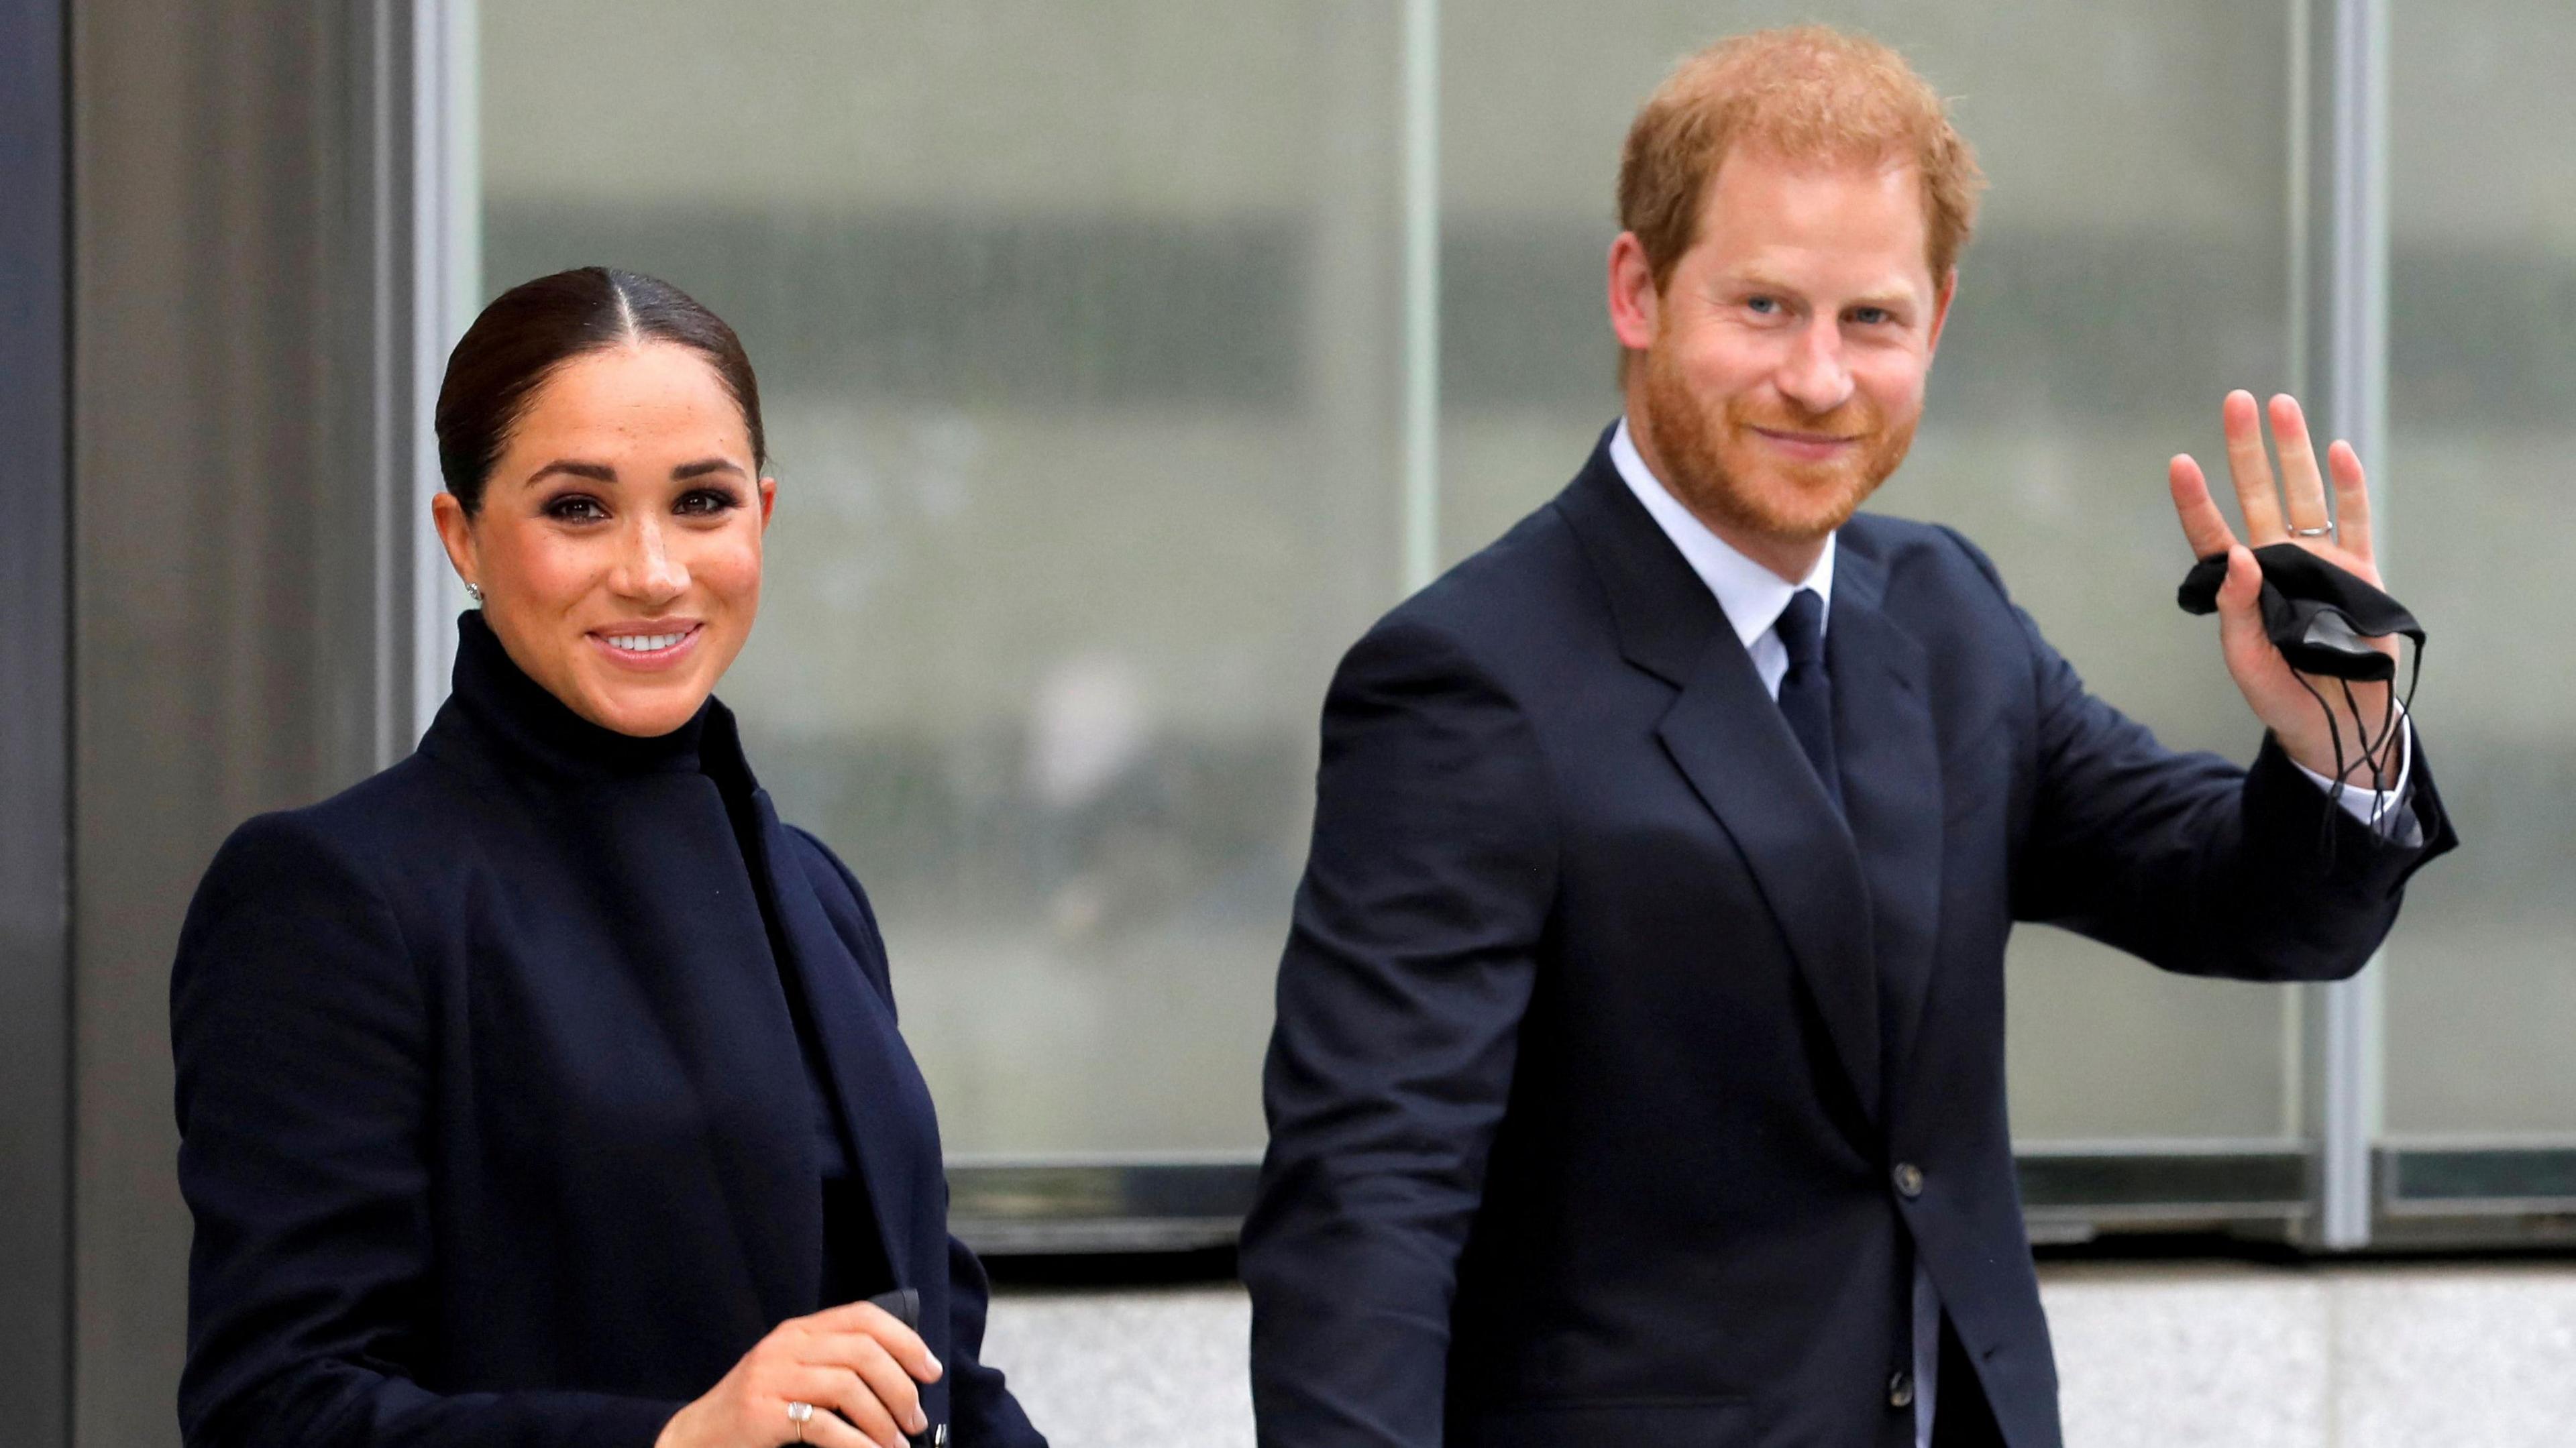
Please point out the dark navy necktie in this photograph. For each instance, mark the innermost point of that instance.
(1806, 691)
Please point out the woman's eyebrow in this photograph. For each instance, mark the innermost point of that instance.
(704, 466)
(596, 472)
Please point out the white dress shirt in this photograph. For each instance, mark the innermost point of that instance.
(1753, 597)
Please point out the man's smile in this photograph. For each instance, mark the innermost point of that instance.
(1810, 446)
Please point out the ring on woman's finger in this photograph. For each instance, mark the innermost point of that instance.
(2325, 532)
(799, 1414)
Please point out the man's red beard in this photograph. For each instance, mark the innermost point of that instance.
(1721, 470)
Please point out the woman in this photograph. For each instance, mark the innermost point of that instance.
(545, 1089)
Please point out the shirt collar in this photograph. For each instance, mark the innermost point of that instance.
(1751, 594)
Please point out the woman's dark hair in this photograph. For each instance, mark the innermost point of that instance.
(536, 327)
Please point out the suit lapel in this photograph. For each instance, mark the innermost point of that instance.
(1731, 742)
(683, 912)
(858, 1037)
(1891, 768)
(1735, 748)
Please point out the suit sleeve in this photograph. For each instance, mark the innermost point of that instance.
(2190, 862)
(1409, 965)
(979, 1399)
(299, 1030)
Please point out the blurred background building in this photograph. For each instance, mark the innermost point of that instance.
(1122, 361)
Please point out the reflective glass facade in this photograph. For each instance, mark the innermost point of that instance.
(1077, 335)
(2482, 414)
(1083, 335)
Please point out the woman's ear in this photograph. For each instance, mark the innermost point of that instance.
(768, 501)
(456, 535)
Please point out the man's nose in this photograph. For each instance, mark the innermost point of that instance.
(1814, 374)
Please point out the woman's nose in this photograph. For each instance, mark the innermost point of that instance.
(648, 570)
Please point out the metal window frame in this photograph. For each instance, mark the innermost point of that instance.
(2426, 1194)
(2071, 1192)
(2340, 268)
(1419, 528)
(444, 241)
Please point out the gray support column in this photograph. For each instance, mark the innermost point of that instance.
(1421, 528)
(2344, 353)
(445, 238)
(244, 394)
(1353, 369)
(35, 759)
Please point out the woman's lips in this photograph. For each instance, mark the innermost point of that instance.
(657, 648)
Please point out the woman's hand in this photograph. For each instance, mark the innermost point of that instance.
(855, 1361)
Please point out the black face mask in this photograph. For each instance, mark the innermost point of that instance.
(2320, 618)
(2317, 615)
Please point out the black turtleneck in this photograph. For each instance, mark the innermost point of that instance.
(501, 696)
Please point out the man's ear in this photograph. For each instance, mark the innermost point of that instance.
(1636, 307)
(1941, 309)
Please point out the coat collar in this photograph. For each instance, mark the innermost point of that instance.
(861, 1046)
(1663, 614)
(1888, 746)
(657, 814)
(493, 708)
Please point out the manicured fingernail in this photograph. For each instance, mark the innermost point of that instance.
(933, 1359)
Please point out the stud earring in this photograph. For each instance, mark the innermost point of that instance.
(474, 591)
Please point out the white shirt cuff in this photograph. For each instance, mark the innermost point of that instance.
(2384, 810)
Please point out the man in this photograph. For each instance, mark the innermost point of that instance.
(1638, 1077)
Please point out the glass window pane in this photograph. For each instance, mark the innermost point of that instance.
(1076, 335)
(2132, 265)
(2482, 417)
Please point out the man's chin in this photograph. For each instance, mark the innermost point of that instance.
(1804, 510)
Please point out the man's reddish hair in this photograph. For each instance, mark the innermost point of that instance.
(1804, 93)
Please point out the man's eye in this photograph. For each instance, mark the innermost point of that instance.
(1871, 316)
(1762, 306)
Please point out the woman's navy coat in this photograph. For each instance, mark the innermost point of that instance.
(493, 1117)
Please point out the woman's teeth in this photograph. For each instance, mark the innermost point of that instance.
(642, 643)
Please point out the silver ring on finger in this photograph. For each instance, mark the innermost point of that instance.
(2325, 531)
(800, 1414)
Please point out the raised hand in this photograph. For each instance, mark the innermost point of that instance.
(854, 1367)
(2293, 512)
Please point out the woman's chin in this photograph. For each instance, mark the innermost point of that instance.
(646, 710)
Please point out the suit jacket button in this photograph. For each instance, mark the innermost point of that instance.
(1909, 1180)
(1900, 1391)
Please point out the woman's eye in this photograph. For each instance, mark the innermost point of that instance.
(576, 510)
(705, 502)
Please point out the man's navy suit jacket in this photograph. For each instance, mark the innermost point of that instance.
(1601, 1037)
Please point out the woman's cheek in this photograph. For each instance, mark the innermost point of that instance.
(733, 569)
(558, 568)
